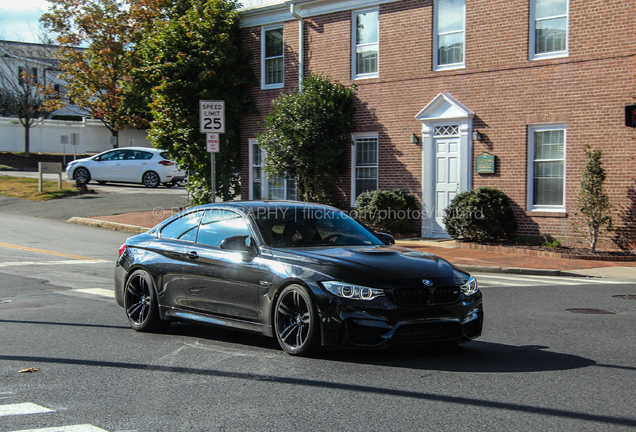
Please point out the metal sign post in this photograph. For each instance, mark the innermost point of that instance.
(213, 144)
(212, 123)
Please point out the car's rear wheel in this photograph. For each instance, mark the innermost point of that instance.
(140, 301)
(81, 175)
(296, 321)
(150, 179)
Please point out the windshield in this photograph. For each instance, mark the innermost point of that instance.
(299, 227)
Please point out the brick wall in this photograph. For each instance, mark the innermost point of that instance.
(587, 90)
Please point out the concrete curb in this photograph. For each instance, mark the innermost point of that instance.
(108, 225)
(519, 271)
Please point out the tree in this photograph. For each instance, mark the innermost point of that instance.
(308, 136)
(194, 54)
(22, 93)
(98, 76)
(594, 204)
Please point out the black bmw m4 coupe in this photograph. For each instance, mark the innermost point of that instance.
(309, 275)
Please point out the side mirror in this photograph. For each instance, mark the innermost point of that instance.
(387, 239)
(241, 243)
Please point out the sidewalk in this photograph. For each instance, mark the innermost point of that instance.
(470, 260)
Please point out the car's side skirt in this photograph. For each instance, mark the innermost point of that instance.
(177, 314)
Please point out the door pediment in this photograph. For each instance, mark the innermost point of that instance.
(444, 107)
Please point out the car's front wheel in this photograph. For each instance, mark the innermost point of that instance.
(150, 179)
(296, 321)
(81, 175)
(140, 301)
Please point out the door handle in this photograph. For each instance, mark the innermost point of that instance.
(192, 255)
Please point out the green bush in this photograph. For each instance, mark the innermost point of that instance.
(480, 215)
(387, 211)
(554, 243)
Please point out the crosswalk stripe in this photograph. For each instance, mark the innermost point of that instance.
(97, 291)
(22, 408)
(59, 262)
(75, 428)
(31, 408)
(500, 280)
(543, 279)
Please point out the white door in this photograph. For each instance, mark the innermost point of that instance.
(446, 179)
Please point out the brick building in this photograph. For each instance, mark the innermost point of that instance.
(537, 79)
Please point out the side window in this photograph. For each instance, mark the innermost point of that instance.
(184, 228)
(548, 28)
(114, 155)
(272, 64)
(138, 155)
(450, 34)
(217, 225)
(366, 28)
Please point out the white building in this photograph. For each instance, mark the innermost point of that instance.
(66, 130)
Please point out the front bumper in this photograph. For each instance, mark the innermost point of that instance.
(350, 323)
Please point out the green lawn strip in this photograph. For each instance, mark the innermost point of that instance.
(27, 188)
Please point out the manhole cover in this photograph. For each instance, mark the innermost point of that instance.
(591, 311)
(625, 296)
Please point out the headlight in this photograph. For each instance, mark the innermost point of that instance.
(355, 292)
(470, 286)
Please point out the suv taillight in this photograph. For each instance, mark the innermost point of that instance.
(166, 163)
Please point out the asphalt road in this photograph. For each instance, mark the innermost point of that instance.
(537, 366)
(102, 200)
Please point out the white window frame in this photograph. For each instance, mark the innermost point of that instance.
(354, 62)
(530, 181)
(265, 86)
(354, 149)
(533, 55)
(264, 179)
(450, 66)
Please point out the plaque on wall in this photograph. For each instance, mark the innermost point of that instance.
(485, 164)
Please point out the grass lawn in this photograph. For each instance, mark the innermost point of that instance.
(27, 188)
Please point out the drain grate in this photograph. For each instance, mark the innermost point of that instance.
(625, 296)
(591, 311)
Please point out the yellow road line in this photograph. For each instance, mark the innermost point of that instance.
(45, 252)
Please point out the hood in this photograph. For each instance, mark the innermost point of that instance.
(378, 266)
(80, 160)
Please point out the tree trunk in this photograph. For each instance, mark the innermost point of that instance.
(27, 129)
(116, 135)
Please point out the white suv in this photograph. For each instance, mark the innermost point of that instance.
(144, 165)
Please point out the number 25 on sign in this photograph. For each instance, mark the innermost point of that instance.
(212, 116)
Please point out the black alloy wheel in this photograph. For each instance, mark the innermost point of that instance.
(150, 179)
(296, 321)
(140, 300)
(81, 175)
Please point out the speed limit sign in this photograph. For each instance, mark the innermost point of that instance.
(212, 116)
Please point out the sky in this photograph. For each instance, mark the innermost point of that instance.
(19, 18)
